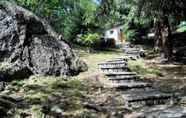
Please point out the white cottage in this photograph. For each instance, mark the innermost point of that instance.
(116, 35)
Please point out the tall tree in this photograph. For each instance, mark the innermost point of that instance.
(162, 11)
(68, 17)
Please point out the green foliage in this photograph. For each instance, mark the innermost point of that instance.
(130, 35)
(68, 17)
(182, 27)
(73, 17)
(89, 39)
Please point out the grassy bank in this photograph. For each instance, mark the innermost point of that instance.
(139, 66)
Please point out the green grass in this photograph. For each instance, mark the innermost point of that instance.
(66, 94)
(59, 93)
(92, 59)
(142, 69)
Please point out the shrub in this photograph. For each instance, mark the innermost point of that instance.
(130, 35)
(89, 39)
(181, 27)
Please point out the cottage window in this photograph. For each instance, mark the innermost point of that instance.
(111, 32)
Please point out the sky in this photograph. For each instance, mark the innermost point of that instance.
(96, 1)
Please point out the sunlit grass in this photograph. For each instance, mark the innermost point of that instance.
(92, 59)
(142, 69)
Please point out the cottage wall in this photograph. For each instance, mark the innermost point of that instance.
(113, 34)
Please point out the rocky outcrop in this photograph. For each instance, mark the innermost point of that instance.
(31, 46)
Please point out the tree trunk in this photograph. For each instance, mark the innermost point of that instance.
(158, 37)
(166, 38)
(163, 40)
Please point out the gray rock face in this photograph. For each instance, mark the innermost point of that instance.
(32, 47)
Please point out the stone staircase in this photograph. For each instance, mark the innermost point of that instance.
(136, 92)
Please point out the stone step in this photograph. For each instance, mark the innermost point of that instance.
(120, 74)
(116, 60)
(145, 97)
(132, 53)
(110, 65)
(117, 76)
(114, 69)
(126, 81)
(132, 57)
(175, 111)
(120, 58)
(125, 77)
(113, 62)
(132, 50)
(131, 85)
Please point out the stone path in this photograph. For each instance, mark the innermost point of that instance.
(136, 92)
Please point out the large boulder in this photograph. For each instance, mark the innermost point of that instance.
(30, 46)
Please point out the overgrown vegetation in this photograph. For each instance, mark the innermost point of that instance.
(89, 39)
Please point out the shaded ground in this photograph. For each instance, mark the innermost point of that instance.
(173, 76)
(55, 97)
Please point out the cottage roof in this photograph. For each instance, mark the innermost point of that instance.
(114, 26)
